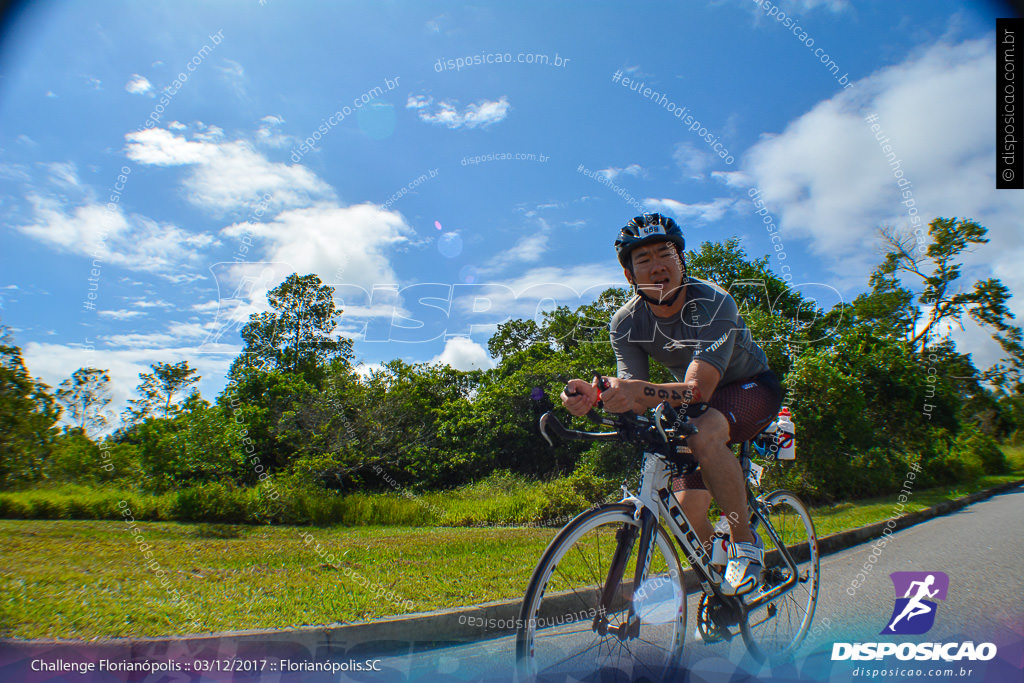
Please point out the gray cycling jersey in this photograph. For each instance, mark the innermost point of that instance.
(708, 328)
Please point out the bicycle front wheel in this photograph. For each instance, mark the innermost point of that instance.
(776, 627)
(563, 630)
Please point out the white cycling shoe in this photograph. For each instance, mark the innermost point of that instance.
(743, 573)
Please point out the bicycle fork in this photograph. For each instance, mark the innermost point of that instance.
(625, 537)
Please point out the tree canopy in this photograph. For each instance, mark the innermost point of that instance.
(873, 384)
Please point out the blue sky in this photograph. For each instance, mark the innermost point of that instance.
(441, 200)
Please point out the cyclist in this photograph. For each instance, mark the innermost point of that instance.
(723, 381)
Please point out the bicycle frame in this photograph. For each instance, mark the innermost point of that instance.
(654, 503)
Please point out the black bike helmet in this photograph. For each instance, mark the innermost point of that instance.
(650, 227)
(645, 229)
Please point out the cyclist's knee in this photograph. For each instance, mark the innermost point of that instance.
(712, 430)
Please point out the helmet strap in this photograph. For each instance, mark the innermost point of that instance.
(651, 300)
(671, 300)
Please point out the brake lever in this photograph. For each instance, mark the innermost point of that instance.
(680, 424)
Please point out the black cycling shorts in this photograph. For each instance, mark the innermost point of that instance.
(749, 405)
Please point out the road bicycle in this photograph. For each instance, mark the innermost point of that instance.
(608, 594)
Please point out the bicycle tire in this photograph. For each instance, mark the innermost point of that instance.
(774, 630)
(570, 577)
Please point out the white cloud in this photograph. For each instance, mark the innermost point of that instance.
(234, 74)
(635, 170)
(228, 175)
(14, 172)
(208, 133)
(418, 102)
(364, 369)
(134, 242)
(207, 306)
(160, 147)
(528, 249)
(636, 72)
(462, 353)
(121, 314)
(139, 85)
(270, 135)
(703, 212)
(839, 199)
(473, 310)
(347, 244)
(692, 161)
(347, 247)
(927, 108)
(484, 113)
(735, 179)
(239, 177)
(175, 333)
(64, 175)
(537, 290)
(159, 303)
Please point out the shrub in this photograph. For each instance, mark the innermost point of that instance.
(981, 450)
(212, 502)
(562, 500)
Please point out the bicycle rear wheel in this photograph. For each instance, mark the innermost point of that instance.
(775, 629)
(561, 632)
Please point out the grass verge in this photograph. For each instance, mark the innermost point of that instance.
(88, 579)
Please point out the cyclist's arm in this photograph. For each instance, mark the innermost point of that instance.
(698, 385)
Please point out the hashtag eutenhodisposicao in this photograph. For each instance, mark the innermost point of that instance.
(694, 126)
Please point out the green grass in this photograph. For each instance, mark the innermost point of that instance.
(88, 579)
(832, 519)
(501, 499)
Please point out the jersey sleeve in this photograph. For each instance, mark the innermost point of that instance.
(631, 361)
(718, 338)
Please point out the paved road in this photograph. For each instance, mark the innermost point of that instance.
(980, 548)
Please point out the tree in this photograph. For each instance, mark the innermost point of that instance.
(159, 388)
(750, 282)
(296, 335)
(514, 335)
(85, 396)
(200, 443)
(921, 318)
(28, 415)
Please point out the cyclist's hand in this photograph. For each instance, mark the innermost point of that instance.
(583, 398)
(623, 395)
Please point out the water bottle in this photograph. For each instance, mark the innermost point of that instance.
(766, 443)
(786, 436)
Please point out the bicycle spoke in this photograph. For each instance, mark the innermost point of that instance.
(639, 660)
(776, 628)
(580, 563)
(574, 591)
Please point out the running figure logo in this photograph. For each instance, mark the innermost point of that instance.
(914, 613)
